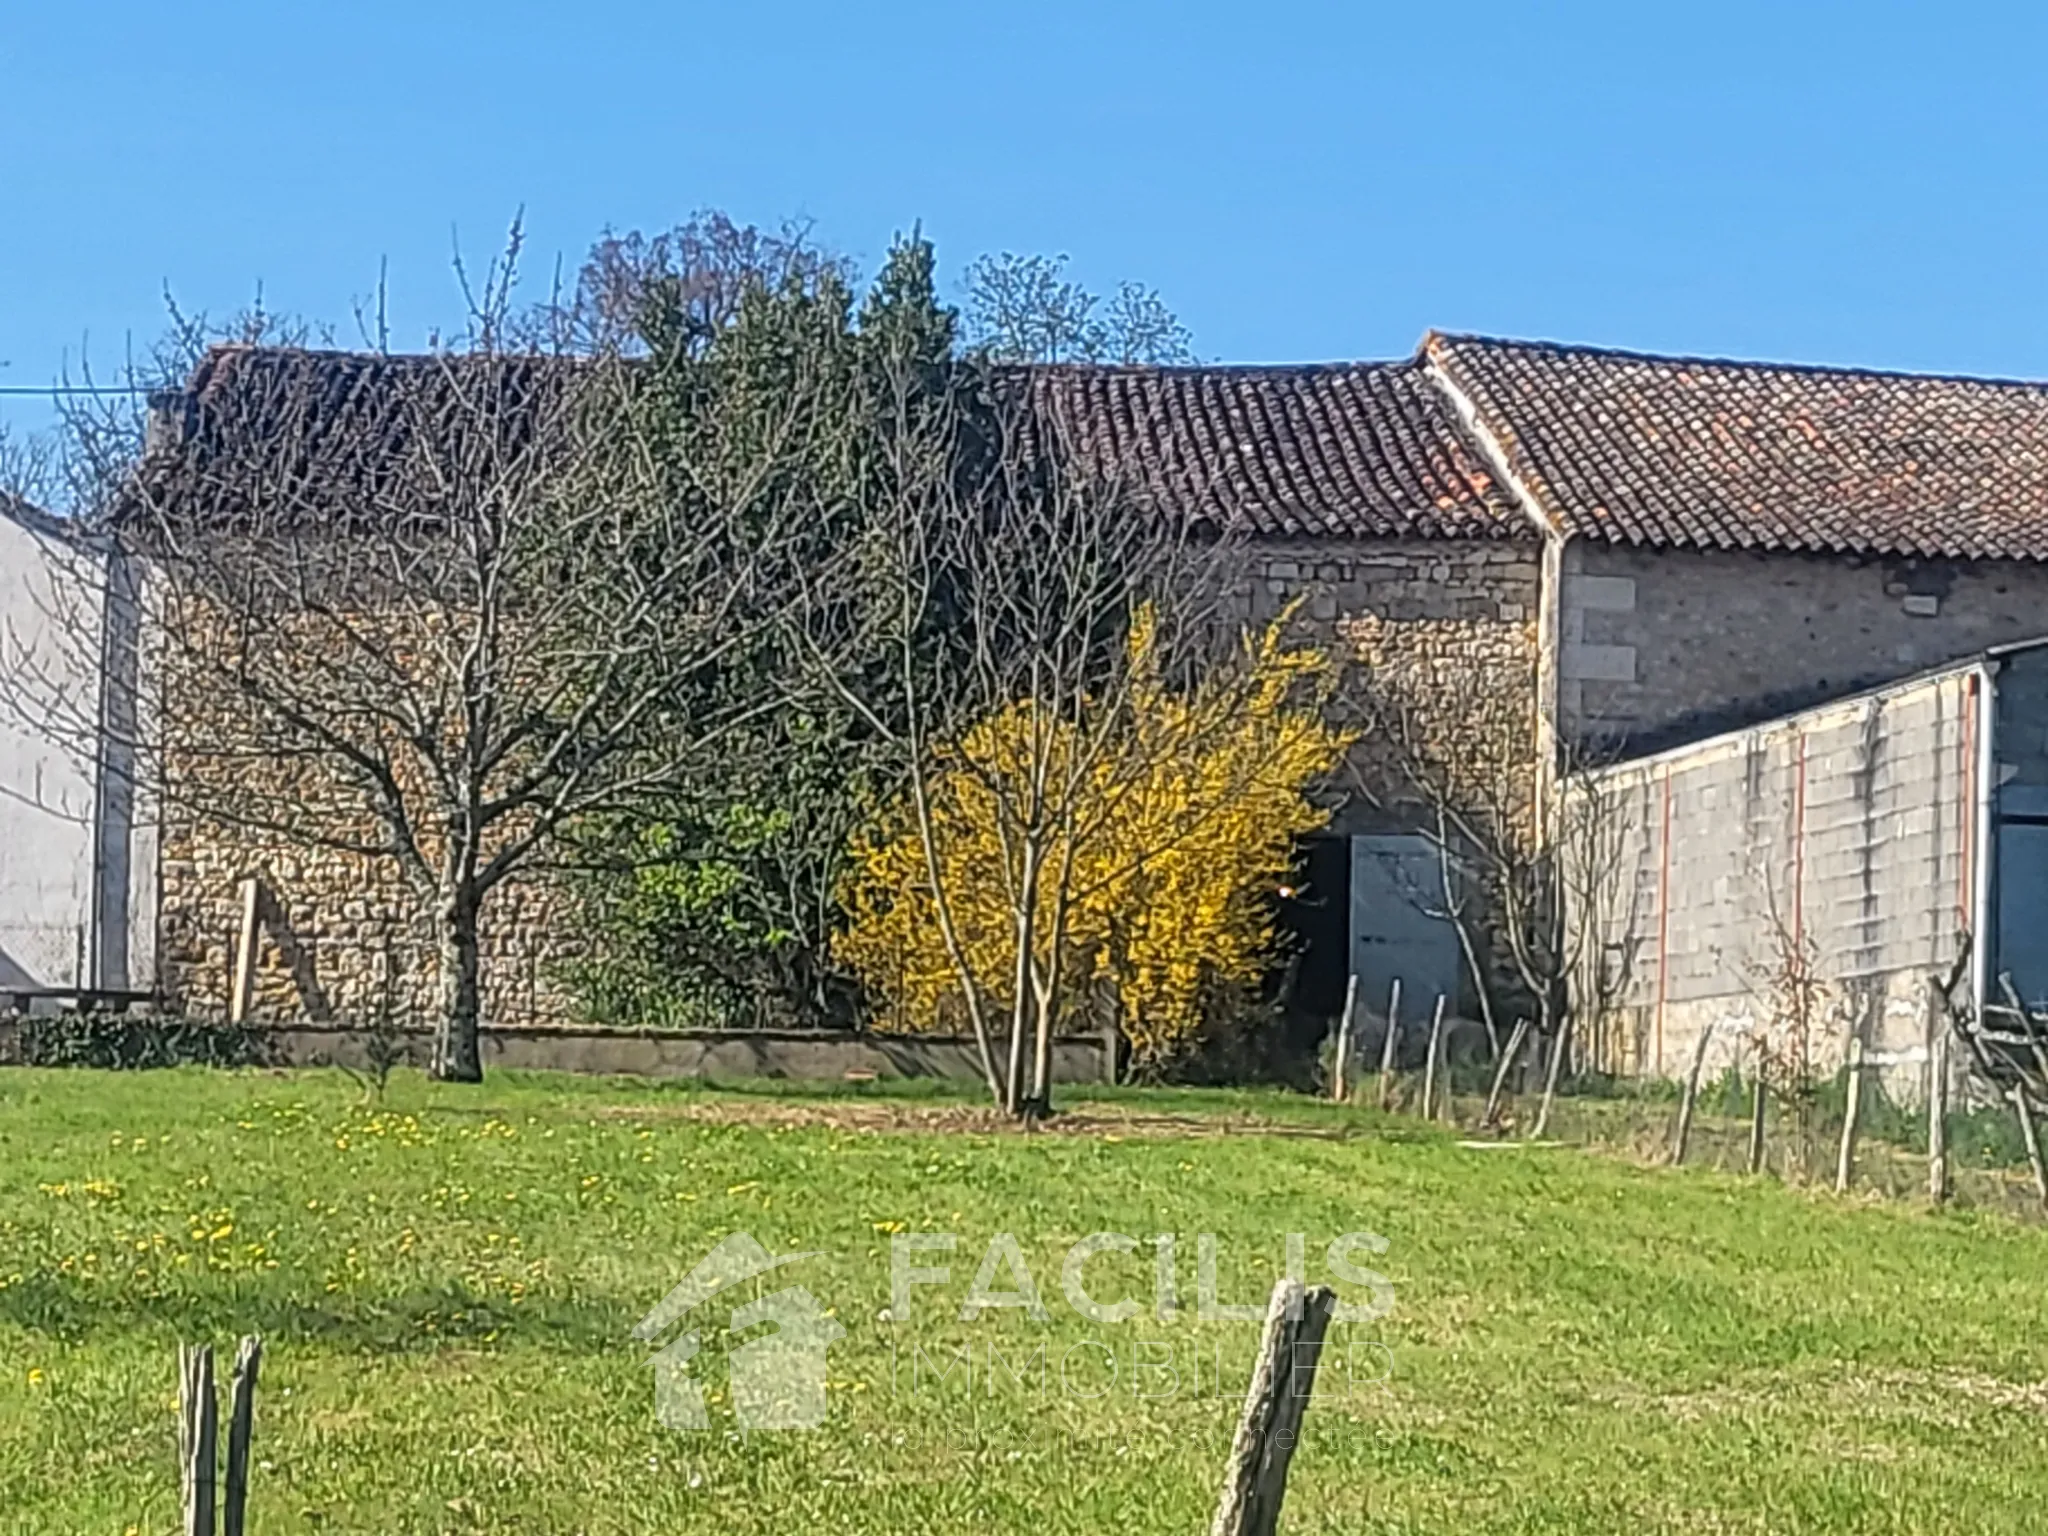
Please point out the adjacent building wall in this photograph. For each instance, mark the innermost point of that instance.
(1662, 646)
(1816, 868)
(2019, 926)
(77, 860)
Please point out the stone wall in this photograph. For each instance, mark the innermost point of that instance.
(1446, 638)
(1658, 647)
(1446, 633)
(805, 1056)
(1448, 627)
(344, 938)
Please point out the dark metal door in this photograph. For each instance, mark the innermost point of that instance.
(2023, 910)
(1398, 926)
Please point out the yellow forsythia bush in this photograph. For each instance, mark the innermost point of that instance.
(1164, 859)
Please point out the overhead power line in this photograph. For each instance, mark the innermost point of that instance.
(74, 389)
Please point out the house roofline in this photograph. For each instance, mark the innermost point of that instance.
(1493, 443)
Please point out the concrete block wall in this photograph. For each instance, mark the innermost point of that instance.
(1838, 840)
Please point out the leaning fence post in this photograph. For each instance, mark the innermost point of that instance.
(247, 938)
(2031, 1138)
(241, 1424)
(198, 1429)
(1500, 1071)
(1845, 1160)
(1387, 1046)
(1430, 1063)
(1691, 1096)
(1255, 1477)
(1340, 1090)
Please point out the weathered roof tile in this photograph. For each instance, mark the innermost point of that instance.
(1347, 450)
(1694, 453)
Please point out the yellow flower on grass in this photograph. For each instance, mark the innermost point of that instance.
(35, 1376)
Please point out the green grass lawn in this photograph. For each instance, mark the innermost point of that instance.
(446, 1281)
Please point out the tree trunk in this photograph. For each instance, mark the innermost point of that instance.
(1021, 1011)
(1045, 1020)
(458, 1056)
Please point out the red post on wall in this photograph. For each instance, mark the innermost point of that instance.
(1663, 922)
(1799, 851)
(1967, 862)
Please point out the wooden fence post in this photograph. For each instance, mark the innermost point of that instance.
(1759, 1098)
(1691, 1097)
(1255, 1477)
(1432, 1062)
(2020, 1104)
(241, 1424)
(1388, 1047)
(198, 1430)
(1845, 1159)
(2031, 1138)
(1937, 1118)
(1340, 1090)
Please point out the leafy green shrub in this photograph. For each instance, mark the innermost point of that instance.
(132, 1041)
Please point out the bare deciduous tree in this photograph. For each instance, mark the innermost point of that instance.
(1025, 309)
(1006, 568)
(1529, 865)
(699, 271)
(428, 611)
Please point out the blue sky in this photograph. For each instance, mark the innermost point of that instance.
(1844, 183)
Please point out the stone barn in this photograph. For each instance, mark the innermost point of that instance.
(1560, 556)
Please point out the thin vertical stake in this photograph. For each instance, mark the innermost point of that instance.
(1845, 1159)
(1691, 1098)
(1757, 1099)
(1430, 1064)
(1340, 1089)
(1388, 1046)
(2031, 1137)
(1937, 1119)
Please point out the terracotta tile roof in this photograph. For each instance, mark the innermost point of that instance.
(1346, 450)
(1690, 453)
(1328, 451)
(337, 434)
